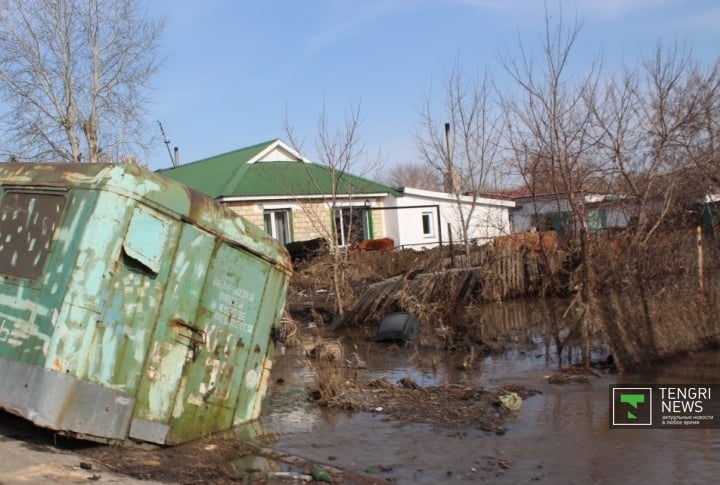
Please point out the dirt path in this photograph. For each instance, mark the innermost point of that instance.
(33, 456)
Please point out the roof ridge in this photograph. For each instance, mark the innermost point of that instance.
(230, 152)
(230, 174)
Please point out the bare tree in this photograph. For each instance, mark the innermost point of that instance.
(658, 123)
(415, 175)
(550, 129)
(700, 138)
(461, 141)
(553, 139)
(74, 74)
(341, 152)
(659, 129)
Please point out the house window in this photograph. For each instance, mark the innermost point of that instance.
(427, 224)
(277, 224)
(351, 224)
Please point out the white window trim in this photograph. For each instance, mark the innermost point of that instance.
(288, 213)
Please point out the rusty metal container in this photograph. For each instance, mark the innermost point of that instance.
(132, 308)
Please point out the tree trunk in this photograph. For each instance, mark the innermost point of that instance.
(585, 297)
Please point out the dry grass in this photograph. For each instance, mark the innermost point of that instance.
(633, 289)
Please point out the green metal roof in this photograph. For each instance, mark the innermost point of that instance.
(239, 174)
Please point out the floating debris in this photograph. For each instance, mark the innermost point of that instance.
(511, 402)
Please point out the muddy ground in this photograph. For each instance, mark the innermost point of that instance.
(216, 459)
(227, 458)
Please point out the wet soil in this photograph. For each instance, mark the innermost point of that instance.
(217, 460)
(228, 459)
(450, 406)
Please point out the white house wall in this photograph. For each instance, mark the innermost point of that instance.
(486, 222)
(405, 225)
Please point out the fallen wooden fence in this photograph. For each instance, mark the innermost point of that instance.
(499, 276)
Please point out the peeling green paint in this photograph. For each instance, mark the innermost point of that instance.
(131, 307)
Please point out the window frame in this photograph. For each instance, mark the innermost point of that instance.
(272, 214)
(429, 217)
(357, 215)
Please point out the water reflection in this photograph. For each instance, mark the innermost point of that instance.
(561, 435)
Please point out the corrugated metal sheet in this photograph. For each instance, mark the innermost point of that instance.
(131, 307)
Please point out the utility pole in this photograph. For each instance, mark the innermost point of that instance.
(167, 145)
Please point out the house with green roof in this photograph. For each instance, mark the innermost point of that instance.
(277, 188)
(294, 199)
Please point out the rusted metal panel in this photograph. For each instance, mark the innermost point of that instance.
(27, 224)
(131, 307)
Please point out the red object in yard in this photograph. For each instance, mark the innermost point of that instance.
(382, 244)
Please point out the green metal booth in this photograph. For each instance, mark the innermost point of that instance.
(132, 308)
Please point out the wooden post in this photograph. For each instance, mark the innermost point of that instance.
(701, 276)
(440, 239)
(450, 245)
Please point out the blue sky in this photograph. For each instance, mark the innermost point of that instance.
(233, 68)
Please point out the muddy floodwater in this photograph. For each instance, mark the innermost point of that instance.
(560, 436)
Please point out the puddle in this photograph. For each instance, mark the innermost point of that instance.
(560, 436)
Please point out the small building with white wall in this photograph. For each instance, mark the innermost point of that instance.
(421, 219)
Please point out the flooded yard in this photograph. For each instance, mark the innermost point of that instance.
(561, 435)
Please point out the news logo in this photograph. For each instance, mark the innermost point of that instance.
(665, 406)
(631, 406)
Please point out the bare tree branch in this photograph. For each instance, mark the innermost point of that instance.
(462, 141)
(340, 151)
(74, 74)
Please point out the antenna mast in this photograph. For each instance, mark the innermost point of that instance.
(167, 145)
